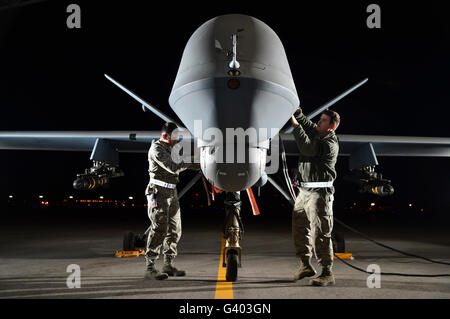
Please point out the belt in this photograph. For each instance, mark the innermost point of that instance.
(161, 183)
(316, 184)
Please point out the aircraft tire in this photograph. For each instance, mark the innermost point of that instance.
(232, 266)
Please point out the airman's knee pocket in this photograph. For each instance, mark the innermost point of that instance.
(324, 205)
(326, 225)
(159, 218)
(329, 198)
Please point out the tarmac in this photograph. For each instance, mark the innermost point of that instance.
(36, 254)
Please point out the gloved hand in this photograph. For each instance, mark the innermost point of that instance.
(298, 111)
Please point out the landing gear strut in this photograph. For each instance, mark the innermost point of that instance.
(232, 232)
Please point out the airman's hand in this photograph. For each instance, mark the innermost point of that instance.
(294, 121)
(298, 111)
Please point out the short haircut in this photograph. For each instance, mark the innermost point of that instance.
(335, 118)
(168, 127)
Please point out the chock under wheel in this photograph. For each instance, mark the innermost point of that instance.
(129, 253)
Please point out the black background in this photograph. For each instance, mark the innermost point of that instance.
(51, 78)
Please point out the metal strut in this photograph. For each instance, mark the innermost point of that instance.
(233, 229)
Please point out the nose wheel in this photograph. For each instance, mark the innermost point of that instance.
(233, 231)
(232, 254)
(232, 265)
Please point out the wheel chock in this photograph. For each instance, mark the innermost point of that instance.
(129, 253)
(345, 256)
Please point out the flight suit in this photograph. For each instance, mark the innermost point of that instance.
(312, 216)
(163, 206)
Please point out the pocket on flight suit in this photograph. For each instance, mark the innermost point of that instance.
(299, 204)
(326, 215)
(301, 217)
(162, 208)
(316, 204)
(151, 192)
(152, 202)
(156, 210)
(329, 198)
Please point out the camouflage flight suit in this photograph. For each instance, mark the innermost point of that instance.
(312, 215)
(163, 206)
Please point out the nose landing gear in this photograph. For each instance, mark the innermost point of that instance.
(232, 253)
(233, 232)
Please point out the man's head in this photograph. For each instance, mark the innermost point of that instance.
(167, 133)
(328, 122)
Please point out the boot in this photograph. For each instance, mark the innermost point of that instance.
(152, 273)
(326, 278)
(169, 269)
(305, 270)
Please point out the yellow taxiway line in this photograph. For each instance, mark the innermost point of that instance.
(224, 288)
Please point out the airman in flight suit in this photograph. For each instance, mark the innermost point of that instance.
(313, 210)
(163, 206)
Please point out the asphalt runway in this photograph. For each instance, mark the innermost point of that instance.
(35, 253)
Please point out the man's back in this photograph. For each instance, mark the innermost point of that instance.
(161, 165)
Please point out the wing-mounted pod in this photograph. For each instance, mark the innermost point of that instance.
(105, 158)
(362, 164)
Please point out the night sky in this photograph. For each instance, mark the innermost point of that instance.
(51, 78)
